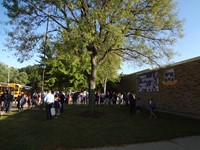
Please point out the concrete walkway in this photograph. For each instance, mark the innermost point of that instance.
(187, 143)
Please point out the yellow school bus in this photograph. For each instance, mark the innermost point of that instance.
(4, 87)
(14, 87)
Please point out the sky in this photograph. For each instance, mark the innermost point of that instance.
(187, 47)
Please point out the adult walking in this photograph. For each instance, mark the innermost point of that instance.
(49, 100)
(62, 100)
(152, 105)
(8, 102)
(132, 103)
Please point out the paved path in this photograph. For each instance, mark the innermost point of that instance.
(187, 143)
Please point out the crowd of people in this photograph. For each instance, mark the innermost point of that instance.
(57, 100)
(6, 100)
(109, 99)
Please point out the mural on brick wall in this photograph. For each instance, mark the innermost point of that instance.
(169, 78)
(148, 82)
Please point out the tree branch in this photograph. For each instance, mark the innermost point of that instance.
(50, 16)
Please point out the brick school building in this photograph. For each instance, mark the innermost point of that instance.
(176, 88)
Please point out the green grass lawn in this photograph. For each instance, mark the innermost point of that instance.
(74, 129)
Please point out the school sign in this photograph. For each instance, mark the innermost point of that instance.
(148, 82)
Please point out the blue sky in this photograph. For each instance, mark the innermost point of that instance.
(188, 47)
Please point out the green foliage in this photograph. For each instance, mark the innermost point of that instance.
(108, 69)
(12, 75)
(137, 30)
(18, 77)
(4, 71)
(34, 76)
(62, 71)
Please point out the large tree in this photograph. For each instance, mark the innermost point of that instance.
(141, 30)
(64, 71)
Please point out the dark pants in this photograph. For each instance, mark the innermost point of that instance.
(61, 107)
(8, 106)
(48, 111)
(132, 109)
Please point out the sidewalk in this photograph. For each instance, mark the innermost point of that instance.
(187, 143)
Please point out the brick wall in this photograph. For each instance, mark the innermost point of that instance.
(183, 97)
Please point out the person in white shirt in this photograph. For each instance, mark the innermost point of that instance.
(49, 100)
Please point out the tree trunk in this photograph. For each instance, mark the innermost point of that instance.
(92, 84)
(105, 85)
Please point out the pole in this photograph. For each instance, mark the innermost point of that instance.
(46, 37)
(8, 74)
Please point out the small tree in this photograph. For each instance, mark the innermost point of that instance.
(108, 70)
